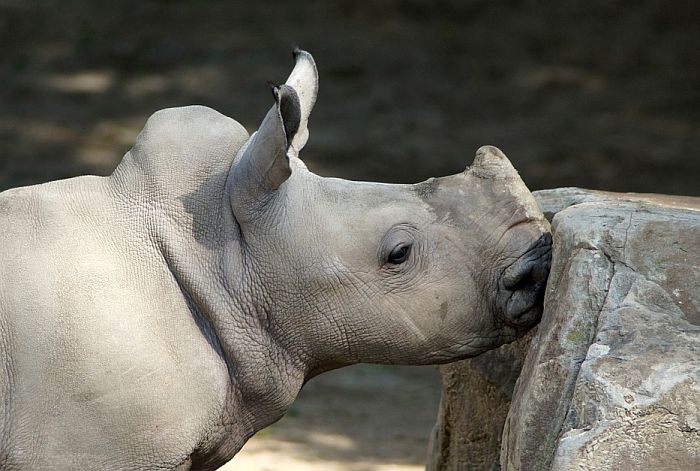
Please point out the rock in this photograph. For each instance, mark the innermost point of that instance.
(557, 199)
(476, 395)
(612, 376)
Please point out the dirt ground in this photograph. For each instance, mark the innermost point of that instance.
(361, 418)
(600, 94)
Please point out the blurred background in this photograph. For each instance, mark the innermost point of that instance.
(598, 93)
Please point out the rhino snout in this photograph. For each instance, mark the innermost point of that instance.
(522, 286)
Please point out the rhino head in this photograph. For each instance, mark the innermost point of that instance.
(346, 271)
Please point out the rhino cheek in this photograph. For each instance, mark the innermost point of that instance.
(465, 325)
(449, 330)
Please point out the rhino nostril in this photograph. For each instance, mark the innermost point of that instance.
(523, 284)
(541, 271)
(522, 274)
(532, 267)
(516, 277)
(525, 281)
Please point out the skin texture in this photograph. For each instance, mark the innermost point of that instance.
(158, 317)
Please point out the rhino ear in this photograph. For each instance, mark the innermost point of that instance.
(304, 80)
(263, 164)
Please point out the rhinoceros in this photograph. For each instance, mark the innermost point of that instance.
(156, 318)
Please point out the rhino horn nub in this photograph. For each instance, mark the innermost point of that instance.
(491, 162)
(304, 80)
(263, 164)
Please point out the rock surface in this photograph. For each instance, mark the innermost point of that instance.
(612, 376)
(476, 395)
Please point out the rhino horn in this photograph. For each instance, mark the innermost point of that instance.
(491, 162)
(304, 80)
(263, 164)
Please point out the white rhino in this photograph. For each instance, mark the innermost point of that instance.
(158, 317)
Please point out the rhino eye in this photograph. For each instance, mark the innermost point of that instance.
(399, 254)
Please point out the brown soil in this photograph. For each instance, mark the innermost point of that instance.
(361, 418)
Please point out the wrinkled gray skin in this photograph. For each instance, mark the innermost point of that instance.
(158, 317)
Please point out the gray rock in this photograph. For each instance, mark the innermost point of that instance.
(557, 199)
(612, 377)
(476, 395)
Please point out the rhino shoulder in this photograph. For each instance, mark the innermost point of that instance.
(179, 148)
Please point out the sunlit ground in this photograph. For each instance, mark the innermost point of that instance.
(362, 418)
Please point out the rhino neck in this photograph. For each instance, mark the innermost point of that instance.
(200, 244)
(191, 225)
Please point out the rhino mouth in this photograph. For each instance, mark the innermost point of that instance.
(522, 285)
